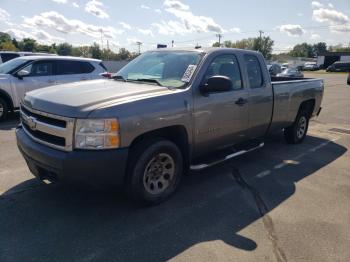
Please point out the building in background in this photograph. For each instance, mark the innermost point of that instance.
(328, 58)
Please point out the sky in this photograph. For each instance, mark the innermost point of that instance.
(187, 22)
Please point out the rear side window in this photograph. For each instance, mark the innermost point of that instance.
(7, 57)
(254, 71)
(66, 67)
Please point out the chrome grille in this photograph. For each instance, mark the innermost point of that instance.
(48, 129)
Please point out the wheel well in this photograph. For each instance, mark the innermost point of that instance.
(308, 106)
(7, 99)
(176, 134)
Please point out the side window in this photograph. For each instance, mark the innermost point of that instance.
(7, 57)
(87, 67)
(66, 67)
(40, 68)
(226, 65)
(254, 71)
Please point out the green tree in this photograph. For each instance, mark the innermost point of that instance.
(7, 46)
(319, 48)
(302, 50)
(123, 54)
(95, 51)
(28, 45)
(64, 49)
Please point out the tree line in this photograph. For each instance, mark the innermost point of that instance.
(265, 46)
(92, 51)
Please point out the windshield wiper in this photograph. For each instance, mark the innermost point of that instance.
(119, 77)
(155, 81)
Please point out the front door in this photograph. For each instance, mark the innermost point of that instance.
(221, 119)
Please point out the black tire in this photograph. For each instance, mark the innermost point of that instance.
(296, 133)
(4, 109)
(149, 155)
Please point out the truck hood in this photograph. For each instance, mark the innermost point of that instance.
(80, 98)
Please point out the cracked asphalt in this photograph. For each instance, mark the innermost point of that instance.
(279, 203)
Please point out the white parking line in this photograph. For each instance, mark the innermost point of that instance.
(294, 161)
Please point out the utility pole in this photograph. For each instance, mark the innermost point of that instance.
(172, 43)
(139, 45)
(101, 38)
(260, 39)
(219, 36)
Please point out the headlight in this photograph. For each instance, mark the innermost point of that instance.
(97, 134)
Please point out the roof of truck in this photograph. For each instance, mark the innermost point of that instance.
(206, 50)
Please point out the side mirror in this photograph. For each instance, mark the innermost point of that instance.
(22, 74)
(217, 84)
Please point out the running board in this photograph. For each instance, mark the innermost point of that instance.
(228, 157)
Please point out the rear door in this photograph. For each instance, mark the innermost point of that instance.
(219, 119)
(260, 96)
(72, 71)
(41, 74)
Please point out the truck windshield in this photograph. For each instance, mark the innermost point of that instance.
(10, 66)
(166, 68)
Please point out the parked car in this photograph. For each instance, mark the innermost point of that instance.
(274, 69)
(143, 130)
(21, 75)
(339, 67)
(310, 66)
(284, 66)
(8, 55)
(349, 79)
(291, 72)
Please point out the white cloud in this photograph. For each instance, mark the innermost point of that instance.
(60, 1)
(170, 27)
(132, 40)
(329, 16)
(39, 35)
(125, 25)
(341, 29)
(96, 8)
(4, 15)
(145, 7)
(330, 5)
(158, 11)
(75, 4)
(300, 14)
(235, 30)
(292, 30)
(315, 36)
(316, 5)
(190, 22)
(147, 32)
(58, 22)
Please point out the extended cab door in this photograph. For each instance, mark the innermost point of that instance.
(73, 71)
(41, 74)
(260, 95)
(221, 119)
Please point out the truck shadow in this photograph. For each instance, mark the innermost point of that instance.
(11, 122)
(56, 223)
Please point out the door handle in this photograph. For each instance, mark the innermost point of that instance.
(241, 101)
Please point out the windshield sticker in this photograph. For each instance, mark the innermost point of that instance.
(188, 74)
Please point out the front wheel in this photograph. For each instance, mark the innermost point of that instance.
(3, 109)
(155, 171)
(296, 133)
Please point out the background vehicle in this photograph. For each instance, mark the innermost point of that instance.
(339, 67)
(291, 72)
(310, 66)
(7, 55)
(27, 73)
(166, 111)
(274, 69)
(349, 79)
(284, 66)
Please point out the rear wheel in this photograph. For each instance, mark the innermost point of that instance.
(296, 133)
(155, 171)
(3, 109)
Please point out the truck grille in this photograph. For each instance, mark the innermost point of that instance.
(48, 129)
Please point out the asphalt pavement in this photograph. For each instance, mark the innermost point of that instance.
(279, 203)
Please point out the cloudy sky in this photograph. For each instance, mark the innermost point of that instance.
(187, 22)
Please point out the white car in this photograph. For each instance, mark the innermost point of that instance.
(27, 73)
(9, 55)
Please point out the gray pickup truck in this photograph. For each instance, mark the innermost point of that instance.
(164, 113)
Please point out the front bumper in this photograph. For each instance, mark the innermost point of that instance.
(97, 169)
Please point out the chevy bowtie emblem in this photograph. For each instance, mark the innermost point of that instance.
(31, 123)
